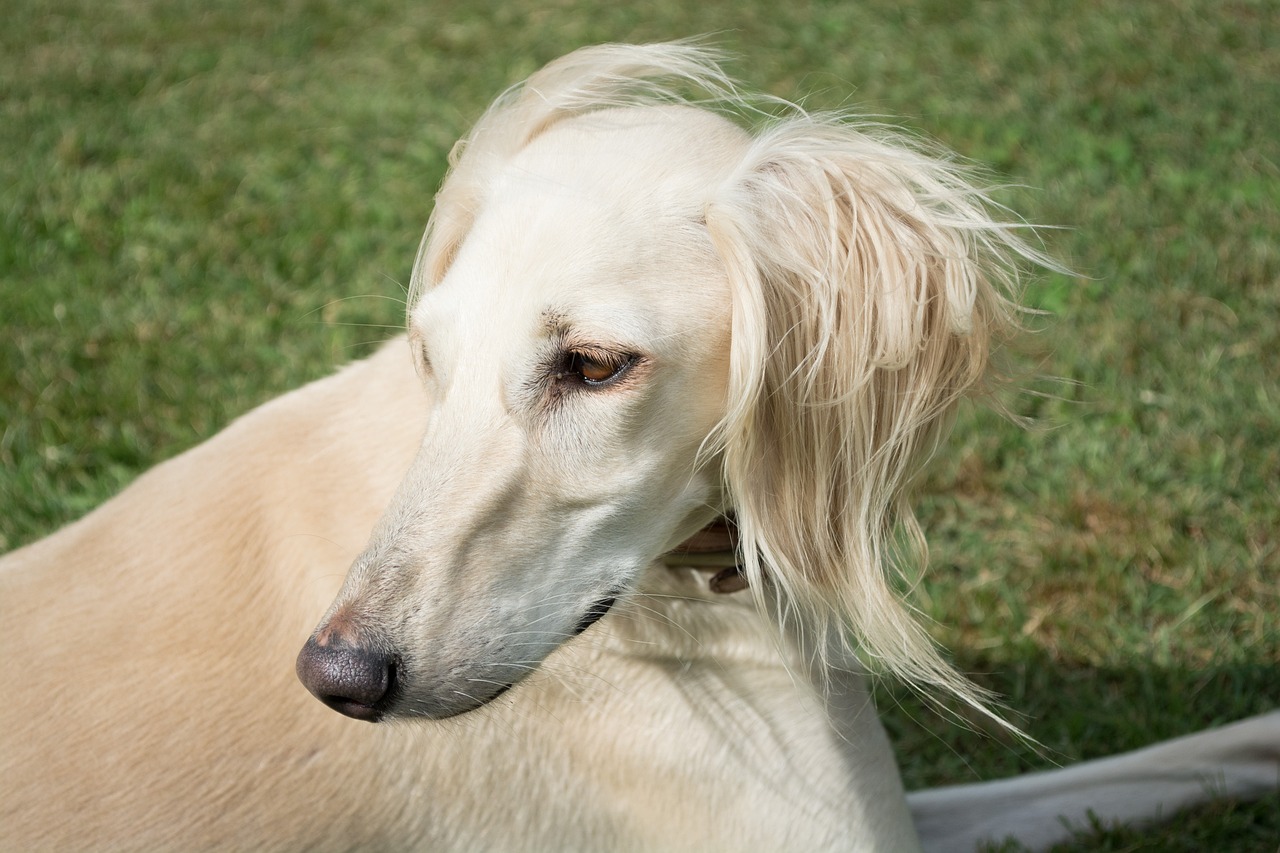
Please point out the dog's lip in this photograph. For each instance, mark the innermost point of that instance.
(595, 613)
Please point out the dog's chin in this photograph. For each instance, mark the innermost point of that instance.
(453, 700)
(436, 708)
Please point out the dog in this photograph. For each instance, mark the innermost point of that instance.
(665, 387)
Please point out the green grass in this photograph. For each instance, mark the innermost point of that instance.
(205, 204)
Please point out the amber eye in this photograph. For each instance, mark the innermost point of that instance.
(596, 369)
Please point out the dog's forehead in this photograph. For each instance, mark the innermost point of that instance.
(597, 222)
(514, 282)
(674, 155)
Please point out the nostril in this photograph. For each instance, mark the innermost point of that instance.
(352, 680)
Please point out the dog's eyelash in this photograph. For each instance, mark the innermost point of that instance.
(592, 367)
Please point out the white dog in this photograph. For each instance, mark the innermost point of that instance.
(630, 318)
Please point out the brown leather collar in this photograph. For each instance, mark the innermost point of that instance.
(714, 548)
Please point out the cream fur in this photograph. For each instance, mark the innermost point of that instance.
(798, 310)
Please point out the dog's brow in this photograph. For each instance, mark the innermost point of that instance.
(556, 323)
(559, 327)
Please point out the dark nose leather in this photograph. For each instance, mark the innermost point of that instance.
(350, 679)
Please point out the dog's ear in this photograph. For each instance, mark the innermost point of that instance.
(585, 81)
(870, 286)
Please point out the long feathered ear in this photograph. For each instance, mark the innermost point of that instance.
(587, 80)
(870, 286)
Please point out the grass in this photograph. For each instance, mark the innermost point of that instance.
(208, 203)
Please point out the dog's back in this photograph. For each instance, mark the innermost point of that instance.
(150, 694)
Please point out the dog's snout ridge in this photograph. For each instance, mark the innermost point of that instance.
(354, 680)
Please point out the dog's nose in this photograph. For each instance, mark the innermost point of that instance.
(350, 679)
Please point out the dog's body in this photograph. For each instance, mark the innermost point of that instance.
(152, 646)
(595, 393)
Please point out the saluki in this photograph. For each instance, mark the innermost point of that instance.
(630, 320)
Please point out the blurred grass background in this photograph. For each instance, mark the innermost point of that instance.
(206, 203)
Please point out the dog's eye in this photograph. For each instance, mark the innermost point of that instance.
(595, 368)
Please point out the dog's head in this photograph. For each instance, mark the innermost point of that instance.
(630, 315)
